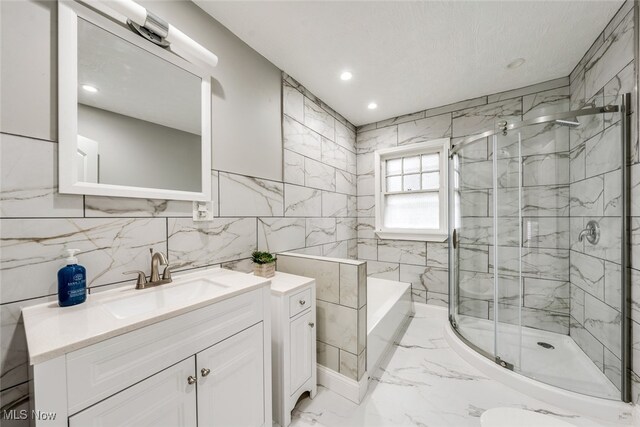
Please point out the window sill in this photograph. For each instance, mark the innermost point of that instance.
(422, 237)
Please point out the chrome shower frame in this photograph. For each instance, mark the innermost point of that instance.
(624, 108)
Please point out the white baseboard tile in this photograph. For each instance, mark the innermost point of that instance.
(345, 387)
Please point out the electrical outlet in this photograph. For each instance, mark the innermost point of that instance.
(203, 211)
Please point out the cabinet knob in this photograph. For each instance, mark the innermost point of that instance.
(311, 324)
(191, 379)
(302, 302)
(204, 372)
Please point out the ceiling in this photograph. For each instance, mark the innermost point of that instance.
(409, 56)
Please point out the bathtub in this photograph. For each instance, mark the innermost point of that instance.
(389, 307)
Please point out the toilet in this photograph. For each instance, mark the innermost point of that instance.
(509, 417)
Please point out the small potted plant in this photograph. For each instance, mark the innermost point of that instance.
(264, 264)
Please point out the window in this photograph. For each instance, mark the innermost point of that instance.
(411, 191)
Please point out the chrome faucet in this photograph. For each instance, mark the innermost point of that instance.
(157, 259)
(591, 233)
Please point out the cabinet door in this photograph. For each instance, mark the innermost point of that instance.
(231, 381)
(300, 352)
(164, 399)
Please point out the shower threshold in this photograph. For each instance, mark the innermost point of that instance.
(548, 357)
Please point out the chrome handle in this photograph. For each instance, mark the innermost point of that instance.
(591, 232)
(302, 302)
(191, 379)
(312, 324)
(204, 372)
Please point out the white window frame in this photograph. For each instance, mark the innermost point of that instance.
(440, 146)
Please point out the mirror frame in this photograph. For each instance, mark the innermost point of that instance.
(68, 14)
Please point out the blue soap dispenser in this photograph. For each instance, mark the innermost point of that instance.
(72, 281)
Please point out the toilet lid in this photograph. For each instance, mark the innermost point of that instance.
(510, 417)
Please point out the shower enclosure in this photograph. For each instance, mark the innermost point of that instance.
(537, 247)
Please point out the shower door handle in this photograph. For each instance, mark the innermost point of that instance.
(455, 238)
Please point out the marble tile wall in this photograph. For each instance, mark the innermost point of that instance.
(545, 175)
(606, 71)
(341, 303)
(312, 209)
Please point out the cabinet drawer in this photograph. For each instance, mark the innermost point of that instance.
(300, 302)
(102, 369)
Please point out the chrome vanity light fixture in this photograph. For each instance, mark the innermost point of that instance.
(154, 29)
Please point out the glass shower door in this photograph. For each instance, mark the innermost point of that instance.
(471, 175)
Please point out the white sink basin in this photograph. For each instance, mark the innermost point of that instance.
(164, 297)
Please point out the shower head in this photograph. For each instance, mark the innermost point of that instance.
(568, 122)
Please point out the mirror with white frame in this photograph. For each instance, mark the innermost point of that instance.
(134, 118)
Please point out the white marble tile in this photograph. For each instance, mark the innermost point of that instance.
(365, 185)
(96, 206)
(437, 254)
(473, 258)
(546, 169)
(345, 137)
(29, 180)
(365, 206)
(402, 251)
(545, 103)
(611, 57)
(319, 175)
(612, 285)
(33, 249)
(576, 305)
(16, 398)
(623, 82)
(424, 129)
(334, 204)
(247, 196)
(537, 139)
(549, 295)
(338, 156)
(474, 202)
(543, 200)
(577, 165)
(429, 278)
(297, 137)
(528, 90)
(346, 228)
(370, 141)
(541, 232)
(292, 103)
(368, 249)
(418, 294)
(352, 249)
(366, 227)
(587, 342)
(293, 168)
(634, 184)
(349, 365)
(608, 246)
(349, 285)
(196, 244)
(328, 356)
(589, 125)
(400, 119)
(317, 119)
(242, 265)
(365, 163)
(438, 299)
(313, 250)
(320, 231)
(587, 273)
(362, 364)
(603, 152)
(383, 270)
(539, 319)
(587, 197)
(326, 274)
(552, 264)
(478, 119)
(336, 249)
(346, 182)
(352, 206)
(612, 368)
(280, 234)
(603, 322)
(337, 325)
(462, 105)
(302, 201)
(612, 197)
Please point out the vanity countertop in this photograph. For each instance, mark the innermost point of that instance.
(284, 283)
(52, 331)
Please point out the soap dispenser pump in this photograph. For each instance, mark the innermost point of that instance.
(72, 281)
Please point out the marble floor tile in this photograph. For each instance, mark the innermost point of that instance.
(423, 382)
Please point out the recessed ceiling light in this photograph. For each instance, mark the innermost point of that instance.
(516, 63)
(372, 106)
(89, 88)
(346, 75)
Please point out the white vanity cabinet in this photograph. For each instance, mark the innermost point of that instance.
(209, 364)
(293, 339)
